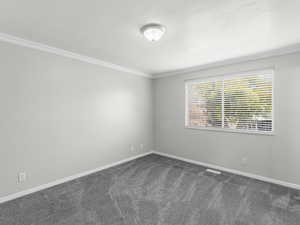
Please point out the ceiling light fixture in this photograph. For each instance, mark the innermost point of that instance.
(153, 31)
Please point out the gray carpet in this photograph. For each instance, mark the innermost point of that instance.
(156, 190)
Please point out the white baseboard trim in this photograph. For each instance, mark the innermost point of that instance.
(73, 177)
(250, 175)
(66, 179)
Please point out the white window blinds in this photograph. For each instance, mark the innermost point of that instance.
(235, 102)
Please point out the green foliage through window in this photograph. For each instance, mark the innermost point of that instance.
(232, 102)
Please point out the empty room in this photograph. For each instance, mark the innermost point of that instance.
(134, 112)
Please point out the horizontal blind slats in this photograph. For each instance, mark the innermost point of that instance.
(247, 103)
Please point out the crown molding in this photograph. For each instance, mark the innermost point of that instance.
(267, 54)
(61, 52)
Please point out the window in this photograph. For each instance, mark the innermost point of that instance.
(241, 102)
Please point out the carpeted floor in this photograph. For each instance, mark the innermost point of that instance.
(156, 190)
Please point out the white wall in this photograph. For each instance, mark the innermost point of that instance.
(60, 117)
(270, 156)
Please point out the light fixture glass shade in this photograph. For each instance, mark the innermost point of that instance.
(153, 32)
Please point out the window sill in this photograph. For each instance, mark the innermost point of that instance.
(231, 130)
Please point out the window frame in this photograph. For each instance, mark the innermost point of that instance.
(228, 76)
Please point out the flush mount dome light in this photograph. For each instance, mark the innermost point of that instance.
(153, 31)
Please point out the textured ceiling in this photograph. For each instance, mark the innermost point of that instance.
(198, 32)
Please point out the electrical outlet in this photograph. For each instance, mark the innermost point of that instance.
(132, 148)
(22, 177)
(142, 147)
(244, 161)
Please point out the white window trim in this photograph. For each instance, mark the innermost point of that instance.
(218, 77)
